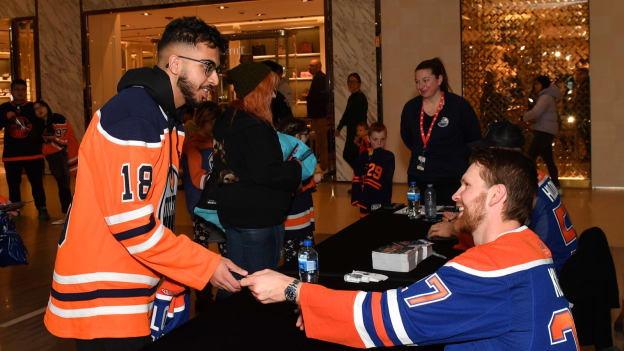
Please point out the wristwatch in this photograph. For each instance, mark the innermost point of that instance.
(291, 291)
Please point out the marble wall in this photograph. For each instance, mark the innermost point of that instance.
(17, 8)
(607, 92)
(413, 31)
(60, 60)
(353, 35)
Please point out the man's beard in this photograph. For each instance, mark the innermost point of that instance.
(187, 89)
(471, 218)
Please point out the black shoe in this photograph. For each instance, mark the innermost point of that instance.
(43, 214)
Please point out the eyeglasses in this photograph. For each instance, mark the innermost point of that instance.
(209, 65)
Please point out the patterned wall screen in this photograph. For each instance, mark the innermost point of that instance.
(506, 44)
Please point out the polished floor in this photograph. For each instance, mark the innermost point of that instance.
(24, 289)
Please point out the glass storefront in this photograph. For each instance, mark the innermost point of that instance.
(506, 44)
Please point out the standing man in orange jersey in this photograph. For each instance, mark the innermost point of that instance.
(118, 241)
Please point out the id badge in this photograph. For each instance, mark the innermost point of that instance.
(421, 163)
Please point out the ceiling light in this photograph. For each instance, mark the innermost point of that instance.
(260, 14)
(306, 0)
(146, 14)
(222, 7)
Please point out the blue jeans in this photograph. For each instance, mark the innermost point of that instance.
(255, 249)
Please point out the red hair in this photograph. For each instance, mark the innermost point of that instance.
(258, 101)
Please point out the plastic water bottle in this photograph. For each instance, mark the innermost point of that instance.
(308, 263)
(430, 203)
(413, 201)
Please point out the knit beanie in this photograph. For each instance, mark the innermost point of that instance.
(247, 76)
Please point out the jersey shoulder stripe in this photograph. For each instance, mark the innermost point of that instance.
(524, 251)
(132, 115)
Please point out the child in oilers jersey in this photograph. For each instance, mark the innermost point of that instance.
(299, 224)
(372, 179)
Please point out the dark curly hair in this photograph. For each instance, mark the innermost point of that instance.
(293, 126)
(191, 30)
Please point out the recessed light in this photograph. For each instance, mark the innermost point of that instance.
(146, 14)
(260, 14)
(222, 7)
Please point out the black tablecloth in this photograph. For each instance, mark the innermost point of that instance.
(241, 323)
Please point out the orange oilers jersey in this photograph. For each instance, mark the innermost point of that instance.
(63, 137)
(503, 295)
(118, 242)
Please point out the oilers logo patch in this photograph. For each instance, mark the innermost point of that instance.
(166, 207)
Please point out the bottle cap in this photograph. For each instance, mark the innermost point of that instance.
(412, 183)
(307, 243)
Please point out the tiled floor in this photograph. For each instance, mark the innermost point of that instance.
(25, 289)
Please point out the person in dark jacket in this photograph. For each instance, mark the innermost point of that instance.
(253, 207)
(438, 127)
(22, 146)
(279, 105)
(589, 282)
(355, 113)
(317, 101)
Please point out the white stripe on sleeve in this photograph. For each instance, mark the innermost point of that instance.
(395, 317)
(130, 215)
(149, 243)
(358, 319)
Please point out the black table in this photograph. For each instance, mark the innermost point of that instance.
(241, 323)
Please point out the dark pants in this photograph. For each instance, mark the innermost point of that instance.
(542, 146)
(444, 190)
(255, 249)
(58, 166)
(113, 344)
(34, 172)
(351, 153)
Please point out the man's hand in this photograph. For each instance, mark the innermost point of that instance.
(267, 286)
(222, 277)
(444, 229)
(318, 177)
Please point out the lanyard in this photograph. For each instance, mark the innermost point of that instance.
(425, 139)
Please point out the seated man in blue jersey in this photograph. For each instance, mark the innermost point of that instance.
(502, 294)
(549, 219)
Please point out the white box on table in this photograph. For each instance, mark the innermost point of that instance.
(401, 256)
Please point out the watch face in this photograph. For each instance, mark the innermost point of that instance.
(291, 291)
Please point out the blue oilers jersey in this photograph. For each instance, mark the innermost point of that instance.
(552, 223)
(503, 295)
